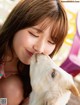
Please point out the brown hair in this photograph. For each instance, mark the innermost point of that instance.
(28, 13)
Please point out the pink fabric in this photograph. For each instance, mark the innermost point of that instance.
(72, 62)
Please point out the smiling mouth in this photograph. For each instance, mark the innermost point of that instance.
(29, 53)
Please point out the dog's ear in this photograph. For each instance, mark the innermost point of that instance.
(74, 90)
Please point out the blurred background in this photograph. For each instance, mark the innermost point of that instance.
(70, 45)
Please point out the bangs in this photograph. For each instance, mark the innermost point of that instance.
(59, 31)
(58, 26)
(46, 22)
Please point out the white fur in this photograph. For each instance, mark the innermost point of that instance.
(48, 90)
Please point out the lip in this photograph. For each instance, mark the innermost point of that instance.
(29, 53)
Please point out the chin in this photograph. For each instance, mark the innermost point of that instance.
(27, 62)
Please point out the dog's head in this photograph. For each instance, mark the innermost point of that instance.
(47, 77)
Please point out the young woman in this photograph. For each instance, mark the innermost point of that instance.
(33, 26)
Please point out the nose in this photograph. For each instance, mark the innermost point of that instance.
(39, 47)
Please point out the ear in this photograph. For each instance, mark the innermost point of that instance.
(74, 90)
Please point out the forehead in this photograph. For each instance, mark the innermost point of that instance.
(48, 24)
(41, 26)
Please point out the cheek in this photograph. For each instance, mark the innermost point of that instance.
(49, 49)
(29, 40)
(22, 40)
(17, 43)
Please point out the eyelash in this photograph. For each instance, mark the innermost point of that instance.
(38, 36)
(33, 34)
(51, 42)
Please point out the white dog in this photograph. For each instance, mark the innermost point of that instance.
(50, 84)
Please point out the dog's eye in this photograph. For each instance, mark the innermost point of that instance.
(53, 74)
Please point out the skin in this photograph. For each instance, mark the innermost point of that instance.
(11, 88)
(26, 42)
(32, 40)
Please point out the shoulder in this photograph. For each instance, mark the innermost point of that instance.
(11, 81)
(12, 87)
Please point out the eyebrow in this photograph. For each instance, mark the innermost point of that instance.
(37, 29)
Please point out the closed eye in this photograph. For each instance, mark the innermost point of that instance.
(33, 34)
(51, 42)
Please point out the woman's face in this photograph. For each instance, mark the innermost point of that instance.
(32, 40)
